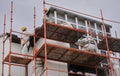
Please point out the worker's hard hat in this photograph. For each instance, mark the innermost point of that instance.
(23, 29)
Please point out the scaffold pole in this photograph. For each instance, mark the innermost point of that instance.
(106, 40)
(96, 71)
(44, 23)
(3, 45)
(26, 70)
(34, 42)
(10, 48)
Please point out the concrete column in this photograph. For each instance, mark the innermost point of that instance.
(110, 30)
(66, 17)
(102, 30)
(55, 16)
(76, 22)
(87, 28)
(96, 32)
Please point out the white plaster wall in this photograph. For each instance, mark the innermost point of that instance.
(54, 64)
(20, 71)
(57, 66)
(30, 68)
(51, 65)
(40, 42)
(1, 57)
(15, 70)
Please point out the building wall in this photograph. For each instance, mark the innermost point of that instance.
(54, 64)
(57, 66)
(1, 56)
(78, 22)
(15, 70)
(40, 42)
(20, 71)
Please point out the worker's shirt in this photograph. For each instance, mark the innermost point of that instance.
(24, 38)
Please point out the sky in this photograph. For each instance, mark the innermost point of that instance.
(23, 11)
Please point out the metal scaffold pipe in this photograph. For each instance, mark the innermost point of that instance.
(10, 48)
(3, 45)
(44, 23)
(34, 27)
(34, 41)
(106, 40)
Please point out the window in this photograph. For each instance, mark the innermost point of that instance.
(75, 69)
(61, 16)
(71, 19)
(91, 25)
(108, 29)
(81, 22)
(99, 27)
(50, 14)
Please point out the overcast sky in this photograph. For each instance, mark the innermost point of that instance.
(23, 11)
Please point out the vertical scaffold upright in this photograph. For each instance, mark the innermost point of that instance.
(106, 40)
(3, 45)
(13, 58)
(34, 49)
(10, 50)
(44, 24)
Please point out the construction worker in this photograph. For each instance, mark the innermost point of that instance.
(25, 40)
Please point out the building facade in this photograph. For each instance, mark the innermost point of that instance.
(70, 21)
(76, 21)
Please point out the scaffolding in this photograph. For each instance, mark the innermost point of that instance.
(56, 52)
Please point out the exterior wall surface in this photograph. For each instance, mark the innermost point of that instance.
(20, 71)
(63, 17)
(57, 66)
(15, 70)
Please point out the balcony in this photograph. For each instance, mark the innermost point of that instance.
(71, 55)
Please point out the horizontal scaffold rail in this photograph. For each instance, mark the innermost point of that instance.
(17, 58)
(114, 44)
(71, 55)
(71, 35)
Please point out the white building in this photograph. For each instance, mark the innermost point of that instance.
(64, 58)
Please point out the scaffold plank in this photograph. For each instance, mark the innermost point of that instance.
(18, 60)
(61, 33)
(72, 55)
(71, 35)
(113, 43)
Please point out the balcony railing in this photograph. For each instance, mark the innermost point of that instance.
(63, 22)
(75, 25)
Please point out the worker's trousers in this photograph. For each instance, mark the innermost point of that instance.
(25, 48)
